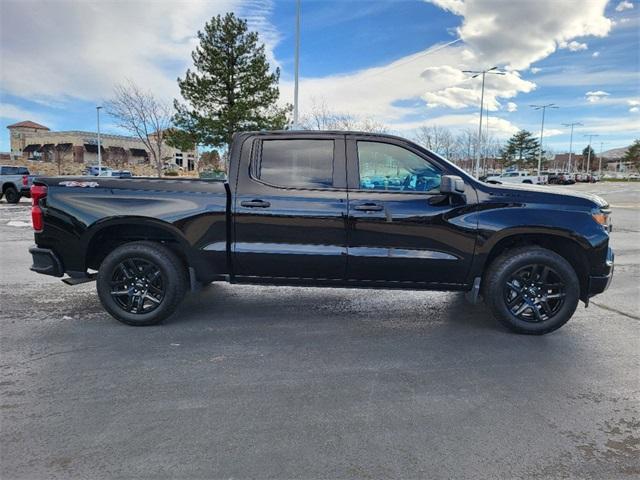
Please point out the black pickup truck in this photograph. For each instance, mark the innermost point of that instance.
(342, 209)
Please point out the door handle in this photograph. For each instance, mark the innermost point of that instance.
(369, 207)
(255, 204)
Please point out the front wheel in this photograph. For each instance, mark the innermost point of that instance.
(141, 283)
(532, 290)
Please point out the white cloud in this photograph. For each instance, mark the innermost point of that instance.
(634, 109)
(573, 46)
(436, 78)
(596, 96)
(79, 50)
(496, 32)
(535, 70)
(553, 132)
(624, 5)
(595, 54)
(634, 105)
(498, 127)
(512, 107)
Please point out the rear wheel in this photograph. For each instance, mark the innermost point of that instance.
(12, 195)
(141, 283)
(532, 290)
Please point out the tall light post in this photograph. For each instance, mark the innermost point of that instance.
(571, 141)
(476, 73)
(99, 143)
(544, 109)
(600, 160)
(296, 67)
(588, 165)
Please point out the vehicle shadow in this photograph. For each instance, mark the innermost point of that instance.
(375, 309)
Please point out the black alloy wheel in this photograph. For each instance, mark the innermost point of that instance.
(141, 283)
(534, 293)
(137, 286)
(531, 289)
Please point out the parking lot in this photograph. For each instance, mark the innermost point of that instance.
(265, 382)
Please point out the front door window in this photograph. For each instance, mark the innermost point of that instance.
(387, 167)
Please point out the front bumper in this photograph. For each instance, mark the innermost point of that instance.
(45, 262)
(599, 283)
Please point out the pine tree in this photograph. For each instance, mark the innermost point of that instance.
(521, 147)
(592, 159)
(231, 88)
(632, 155)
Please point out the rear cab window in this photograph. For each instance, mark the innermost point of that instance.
(15, 171)
(295, 163)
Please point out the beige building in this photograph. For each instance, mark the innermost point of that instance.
(32, 141)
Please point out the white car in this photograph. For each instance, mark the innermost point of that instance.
(518, 176)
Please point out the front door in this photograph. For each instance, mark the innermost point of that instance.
(401, 229)
(290, 209)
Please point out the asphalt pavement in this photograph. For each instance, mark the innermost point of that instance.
(266, 382)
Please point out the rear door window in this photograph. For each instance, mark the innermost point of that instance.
(303, 163)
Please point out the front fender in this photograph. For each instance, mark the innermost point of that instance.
(497, 223)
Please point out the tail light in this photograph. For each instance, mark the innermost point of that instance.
(38, 192)
(25, 180)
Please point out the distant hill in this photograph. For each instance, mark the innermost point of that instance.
(615, 153)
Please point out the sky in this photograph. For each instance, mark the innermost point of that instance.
(397, 62)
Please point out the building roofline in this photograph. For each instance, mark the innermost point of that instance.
(28, 124)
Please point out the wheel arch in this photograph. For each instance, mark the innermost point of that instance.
(106, 235)
(7, 185)
(568, 248)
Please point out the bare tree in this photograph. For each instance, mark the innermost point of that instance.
(321, 117)
(117, 157)
(62, 150)
(436, 139)
(145, 117)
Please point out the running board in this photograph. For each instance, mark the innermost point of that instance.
(89, 277)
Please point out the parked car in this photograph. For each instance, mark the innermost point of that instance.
(95, 170)
(518, 176)
(553, 178)
(16, 183)
(116, 173)
(567, 178)
(586, 178)
(296, 210)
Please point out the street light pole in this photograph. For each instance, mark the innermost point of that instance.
(474, 74)
(99, 143)
(543, 108)
(600, 161)
(571, 141)
(587, 167)
(296, 67)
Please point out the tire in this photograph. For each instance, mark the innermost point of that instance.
(12, 195)
(141, 283)
(514, 291)
(528, 181)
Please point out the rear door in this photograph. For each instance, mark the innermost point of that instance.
(400, 228)
(290, 209)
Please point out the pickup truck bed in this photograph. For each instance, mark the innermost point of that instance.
(328, 209)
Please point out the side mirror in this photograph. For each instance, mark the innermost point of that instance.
(451, 184)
